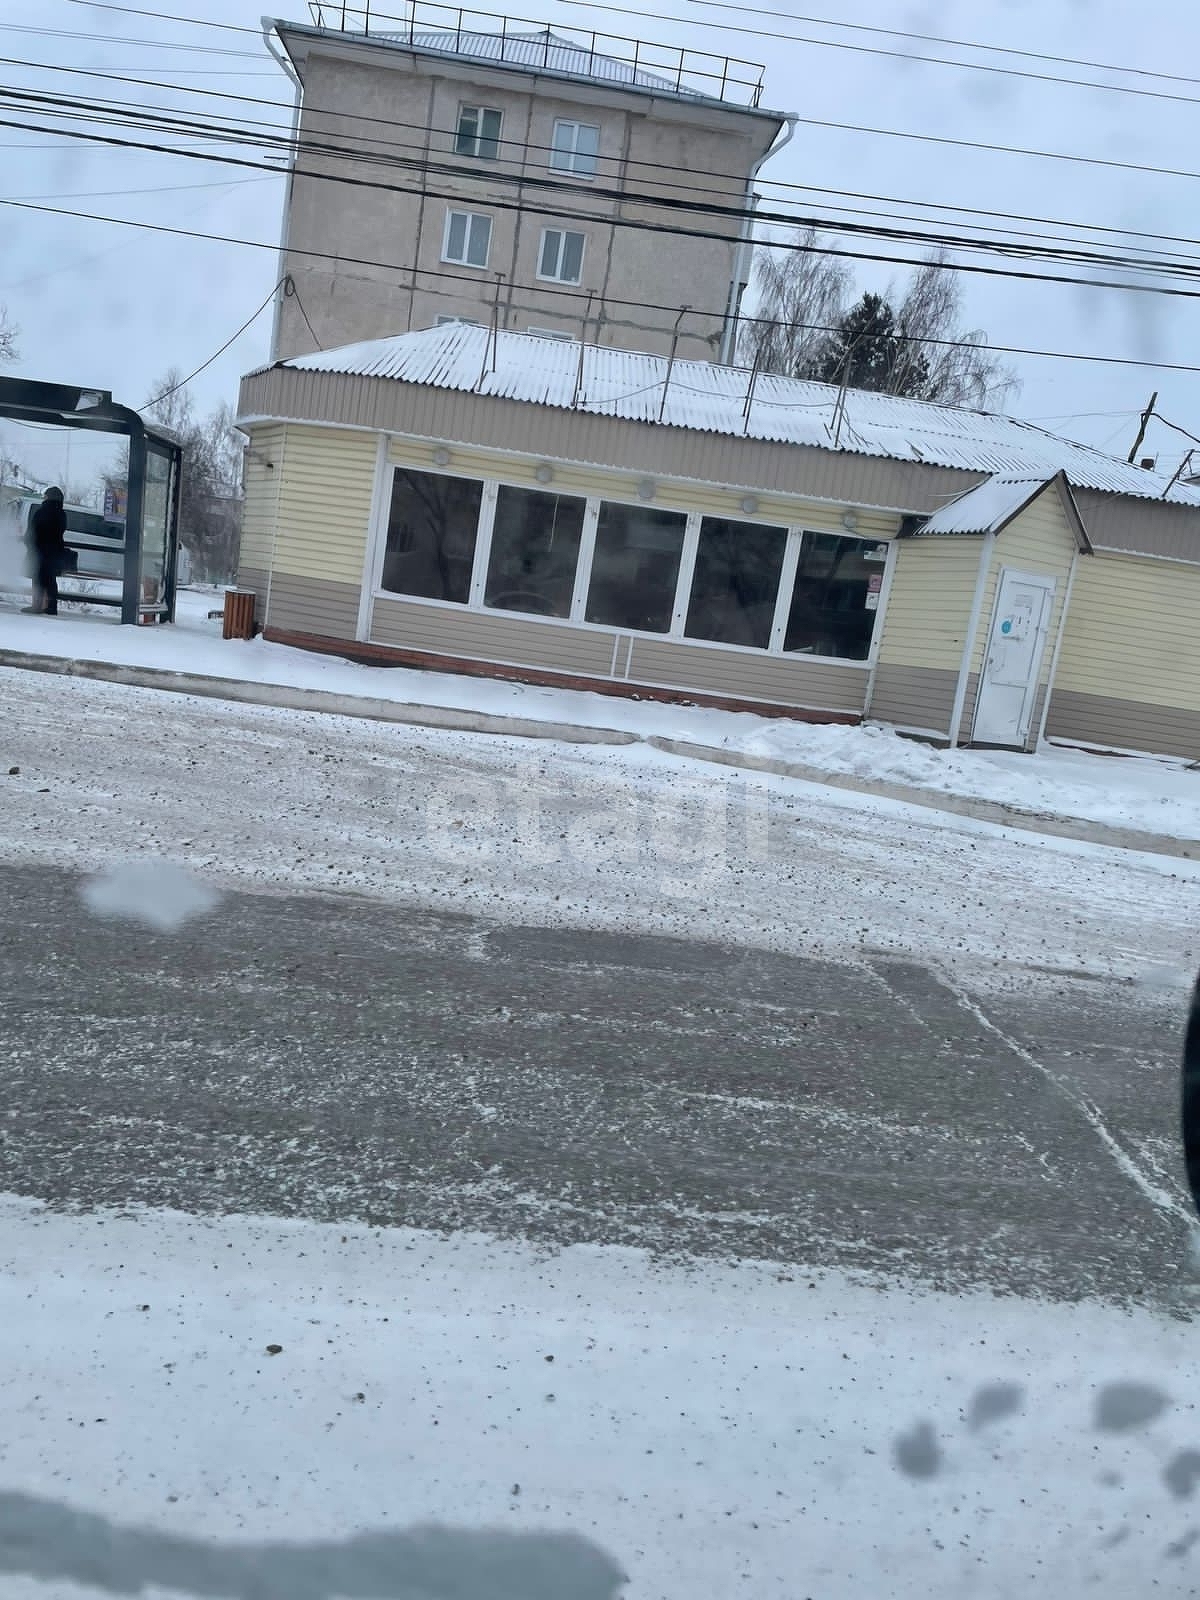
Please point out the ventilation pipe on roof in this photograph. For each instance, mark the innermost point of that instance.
(745, 247)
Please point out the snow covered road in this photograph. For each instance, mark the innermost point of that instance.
(517, 831)
(472, 1018)
(237, 1386)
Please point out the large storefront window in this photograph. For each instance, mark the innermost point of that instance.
(636, 567)
(736, 582)
(431, 536)
(535, 550)
(835, 601)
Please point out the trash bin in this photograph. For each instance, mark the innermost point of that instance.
(239, 614)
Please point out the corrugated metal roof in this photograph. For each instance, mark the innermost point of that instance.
(985, 508)
(545, 50)
(713, 399)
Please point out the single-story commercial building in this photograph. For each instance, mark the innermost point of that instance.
(513, 505)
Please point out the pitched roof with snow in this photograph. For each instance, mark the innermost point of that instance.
(713, 399)
(986, 508)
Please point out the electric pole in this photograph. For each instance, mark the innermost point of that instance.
(1141, 433)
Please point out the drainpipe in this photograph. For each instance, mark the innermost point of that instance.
(745, 246)
(268, 28)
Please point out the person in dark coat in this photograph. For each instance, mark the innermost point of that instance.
(48, 543)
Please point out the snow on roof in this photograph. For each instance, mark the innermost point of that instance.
(712, 399)
(987, 507)
(542, 49)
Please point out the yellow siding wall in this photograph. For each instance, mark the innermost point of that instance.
(596, 481)
(929, 607)
(262, 475)
(1039, 541)
(1133, 632)
(325, 501)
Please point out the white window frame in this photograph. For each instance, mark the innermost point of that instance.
(480, 111)
(563, 235)
(566, 160)
(583, 575)
(472, 217)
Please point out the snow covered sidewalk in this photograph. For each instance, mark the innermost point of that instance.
(1153, 796)
(713, 1431)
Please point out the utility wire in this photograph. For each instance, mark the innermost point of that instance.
(575, 295)
(835, 44)
(936, 242)
(204, 365)
(617, 162)
(891, 33)
(171, 123)
(742, 31)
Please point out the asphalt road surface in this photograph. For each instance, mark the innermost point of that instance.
(337, 1058)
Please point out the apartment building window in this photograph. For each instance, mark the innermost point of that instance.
(561, 256)
(574, 148)
(468, 238)
(478, 132)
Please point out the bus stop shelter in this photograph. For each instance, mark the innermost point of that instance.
(150, 549)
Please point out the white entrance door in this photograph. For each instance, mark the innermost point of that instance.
(1008, 687)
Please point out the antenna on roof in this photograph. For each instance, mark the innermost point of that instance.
(1178, 473)
(683, 310)
(582, 347)
(489, 348)
(750, 394)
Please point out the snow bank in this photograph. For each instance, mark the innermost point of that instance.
(222, 1386)
(1158, 795)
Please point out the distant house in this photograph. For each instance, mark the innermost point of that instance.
(562, 513)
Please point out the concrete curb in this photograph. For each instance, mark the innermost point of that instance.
(289, 698)
(324, 701)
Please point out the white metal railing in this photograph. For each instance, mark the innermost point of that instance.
(519, 41)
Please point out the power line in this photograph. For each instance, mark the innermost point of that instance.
(110, 38)
(170, 188)
(125, 115)
(523, 148)
(204, 365)
(292, 293)
(836, 44)
(936, 242)
(892, 33)
(896, 55)
(576, 295)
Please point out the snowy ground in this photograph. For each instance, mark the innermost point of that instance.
(721, 1432)
(715, 1429)
(533, 831)
(1157, 795)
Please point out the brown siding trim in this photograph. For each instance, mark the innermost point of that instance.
(378, 655)
(1098, 720)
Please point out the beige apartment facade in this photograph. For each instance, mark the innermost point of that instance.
(512, 181)
(505, 508)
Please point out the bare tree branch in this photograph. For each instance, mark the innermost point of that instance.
(8, 338)
(798, 295)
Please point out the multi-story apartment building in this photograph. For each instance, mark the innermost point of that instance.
(515, 178)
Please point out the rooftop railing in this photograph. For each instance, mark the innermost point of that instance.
(520, 42)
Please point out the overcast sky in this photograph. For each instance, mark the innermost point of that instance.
(115, 306)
